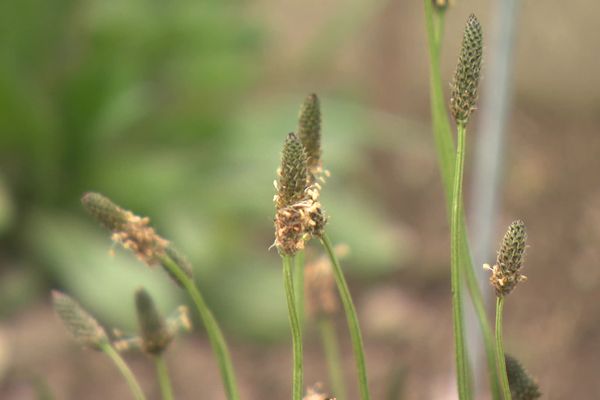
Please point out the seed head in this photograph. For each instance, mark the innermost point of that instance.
(292, 173)
(466, 77)
(82, 326)
(309, 132)
(315, 392)
(319, 286)
(522, 385)
(132, 232)
(506, 273)
(153, 330)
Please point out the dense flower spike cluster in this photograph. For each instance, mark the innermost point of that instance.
(84, 328)
(522, 386)
(131, 231)
(319, 285)
(506, 274)
(466, 77)
(298, 213)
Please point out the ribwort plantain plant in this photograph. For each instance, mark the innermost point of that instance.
(134, 233)
(506, 274)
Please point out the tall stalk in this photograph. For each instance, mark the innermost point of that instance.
(500, 349)
(116, 358)
(442, 131)
(462, 361)
(351, 317)
(213, 330)
(297, 376)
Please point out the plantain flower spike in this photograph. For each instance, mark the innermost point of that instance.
(82, 326)
(153, 329)
(506, 274)
(298, 214)
(309, 132)
(293, 173)
(522, 385)
(135, 233)
(131, 231)
(466, 77)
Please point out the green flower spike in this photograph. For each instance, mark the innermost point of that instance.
(466, 77)
(82, 326)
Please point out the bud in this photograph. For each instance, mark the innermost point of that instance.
(309, 132)
(154, 333)
(506, 273)
(466, 77)
(292, 173)
(82, 326)
(522, 385)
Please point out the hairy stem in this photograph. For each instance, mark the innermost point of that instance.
(353, 326)
(164, 381)
(124, 370)
(462, 362)
(217, 341)
(500, 349)
(332, 355)
(297, 376)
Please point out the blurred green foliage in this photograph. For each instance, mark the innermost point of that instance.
(149, 103)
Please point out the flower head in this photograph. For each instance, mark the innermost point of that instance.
(466, 77)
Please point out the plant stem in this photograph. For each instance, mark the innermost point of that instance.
(124, 370)
(299, 286)
(353, 326)
(217, 341)
(442, 130)
(163, 377)
(446, 157)
(297, 385)
(462, 362)
(332, 355)
(500, 349)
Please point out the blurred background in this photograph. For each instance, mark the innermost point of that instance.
(178, 111)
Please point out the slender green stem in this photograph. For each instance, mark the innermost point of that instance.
(164, 381)
(297, 385)
(446, 157)
(332, 355)
(353, 326)
(500, 349)
(299, 286)
(462, 362)
(442, 130)
(124, 370)
(217, 341)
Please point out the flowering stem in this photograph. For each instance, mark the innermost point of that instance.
(163, 377)
(124, 370)
(213, 330)
(297, 384)
(299, 286)
(500, 349)
(353, 326)
(442, 131)
(332, 355)
(462, 362)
